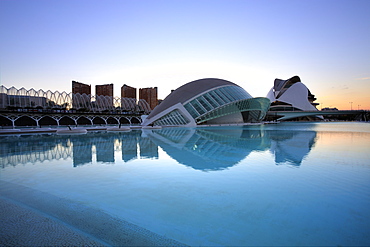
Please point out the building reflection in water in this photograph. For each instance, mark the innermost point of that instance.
(82, 150)
(147, 148)
(130, 146)
(291, 146)
(218, 148)
(31, 149)
(211, 148)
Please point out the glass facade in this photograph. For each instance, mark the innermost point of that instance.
(254, 110)
(216, 103)
(214, 99)
(208, 101)
(172, 118)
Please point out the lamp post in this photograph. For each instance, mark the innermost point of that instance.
(351, 105)
(359, 107)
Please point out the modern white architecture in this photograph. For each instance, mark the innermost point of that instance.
(290, 95)
(208, 101)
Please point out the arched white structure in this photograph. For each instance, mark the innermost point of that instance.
(291, 94)
(208, 101)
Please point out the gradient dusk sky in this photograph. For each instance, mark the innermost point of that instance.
(45, 44)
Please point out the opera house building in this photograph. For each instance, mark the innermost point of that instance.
(208, 101)
(290, 95)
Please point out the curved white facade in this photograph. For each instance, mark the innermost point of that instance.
(291, 94)
(208, 101)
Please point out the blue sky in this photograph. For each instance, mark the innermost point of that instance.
(146, 43)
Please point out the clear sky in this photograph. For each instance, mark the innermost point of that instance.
(45, 44)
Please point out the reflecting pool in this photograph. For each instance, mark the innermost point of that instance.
(278, 184)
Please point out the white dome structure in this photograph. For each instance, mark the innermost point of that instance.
(208, 101)
(291, 95)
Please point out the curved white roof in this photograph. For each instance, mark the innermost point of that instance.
(293, 92)
(188, 91)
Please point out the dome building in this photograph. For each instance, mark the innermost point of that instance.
(208, 101)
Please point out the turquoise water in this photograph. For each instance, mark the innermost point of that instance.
(278, 184)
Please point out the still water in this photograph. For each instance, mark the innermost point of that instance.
(278, 184)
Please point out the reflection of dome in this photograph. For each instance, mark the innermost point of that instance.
(201, 148)
(210, 149)
(208, 101)
(291, 94)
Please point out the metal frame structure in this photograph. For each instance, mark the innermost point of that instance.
(11, 98)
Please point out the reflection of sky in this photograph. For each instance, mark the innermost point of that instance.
(327, 197)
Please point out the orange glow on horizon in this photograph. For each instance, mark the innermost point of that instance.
(355, 103)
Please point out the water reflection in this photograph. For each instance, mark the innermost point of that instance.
(200, 148)
(219, 148)
(210, 148)
(291, 146)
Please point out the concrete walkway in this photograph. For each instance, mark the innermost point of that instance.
(22, 226)
(33, 218)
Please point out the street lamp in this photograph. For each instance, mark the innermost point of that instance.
(359, 107)
(351, 105)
